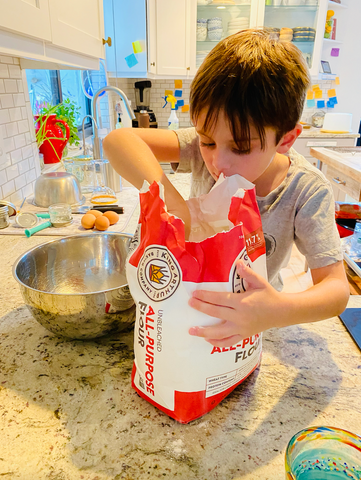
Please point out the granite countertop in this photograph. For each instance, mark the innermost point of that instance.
(67, 409)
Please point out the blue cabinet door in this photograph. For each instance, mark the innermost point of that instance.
(125, 23)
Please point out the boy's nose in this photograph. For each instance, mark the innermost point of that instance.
(220, 162)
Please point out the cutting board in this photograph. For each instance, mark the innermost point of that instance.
(351, 318)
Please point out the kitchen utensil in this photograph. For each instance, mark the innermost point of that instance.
(27, 219)
(76, 286)
(11, 207)
(4, 216)
(57, 187)
(21, 206)
(44, 225)
(60, 216)
(323, 452)
(83, 168)
(337, 122)
(103, 208)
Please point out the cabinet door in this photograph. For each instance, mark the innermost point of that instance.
(175, 36)
(125, 23)
(28, 17)
(78, 25)
(309, 20)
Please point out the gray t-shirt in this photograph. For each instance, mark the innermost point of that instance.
(300, 210)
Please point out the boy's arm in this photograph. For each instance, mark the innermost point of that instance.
(135, 154)
(262, 307)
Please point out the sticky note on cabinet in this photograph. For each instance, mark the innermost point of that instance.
(180, 103)
(309, 95)
(335, 52)
(315, 87)
(311, 103)
(178, 93)
(333, 100)
(185, 108)
(320, 104)
(131, 60)
(137, 48)
(331, 93)
(168, 92)
(178, 83)
(337, 80)
(318, 94)
(330, 105)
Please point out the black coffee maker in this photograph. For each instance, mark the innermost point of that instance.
(142, 101)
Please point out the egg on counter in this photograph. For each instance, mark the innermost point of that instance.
(102, 223)
(113, 217)
(96, 213)
(88, 221)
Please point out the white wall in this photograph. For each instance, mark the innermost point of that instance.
(21, 167)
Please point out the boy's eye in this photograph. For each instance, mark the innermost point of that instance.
(203, 144)
(241, 152)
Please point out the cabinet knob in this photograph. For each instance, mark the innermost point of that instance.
(188, 68)
(338, 181)
(108, 41)
(153, 64)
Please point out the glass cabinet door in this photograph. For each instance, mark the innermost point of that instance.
(218, 19)
(298, 21)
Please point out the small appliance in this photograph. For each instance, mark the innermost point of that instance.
(142, 101)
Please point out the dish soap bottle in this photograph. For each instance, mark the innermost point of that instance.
(173, 121)
(119, 124)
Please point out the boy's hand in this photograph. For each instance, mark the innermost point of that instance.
(242, 314)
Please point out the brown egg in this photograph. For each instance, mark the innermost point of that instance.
(88, 221)
(96, 213)
(102, 223)
(113, 217)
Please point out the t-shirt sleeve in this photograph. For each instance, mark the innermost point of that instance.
(316, 234)
(189, 150)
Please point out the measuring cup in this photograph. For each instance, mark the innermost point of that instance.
(323, 452)
(60, 216)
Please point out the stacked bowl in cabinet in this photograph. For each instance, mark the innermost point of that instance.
(304, 34)
(237, 24)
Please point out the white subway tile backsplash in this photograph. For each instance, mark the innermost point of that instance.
(14, 71)
(19, 99)
(20, 140)
(17, 197)
(23, 166)
(16, 61)
(12, 129)
(7, 162)
(3, 131)
(23, 126)
(8, 188)
(24, 113)
(12, 172)
(5, 59)
(9, 144)
(10, 86)
(3, 177)
(20, 181)
(4, 116)
(6, 101)
(15, 114)
(16, 155)
(27, 151)
(2, 86)
(4, 71)
(20, 86)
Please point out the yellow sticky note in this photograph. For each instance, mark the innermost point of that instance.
(331, 93)
(337, 80)
(309, 95)
(185, 108)
(318, 94)
(168, 92)
(137, 48)
(315, 87)
(178, 84)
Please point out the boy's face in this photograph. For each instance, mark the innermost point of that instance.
(221, 154)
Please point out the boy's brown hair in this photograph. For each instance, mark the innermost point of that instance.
(252, 77)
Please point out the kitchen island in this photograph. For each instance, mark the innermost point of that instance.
(67, 409)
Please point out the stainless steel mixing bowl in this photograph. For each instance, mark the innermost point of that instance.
(57, 187)
(76, 286)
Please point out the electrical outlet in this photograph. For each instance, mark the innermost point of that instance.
(2, 151)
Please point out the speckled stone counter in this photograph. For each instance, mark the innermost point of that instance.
(67, 409)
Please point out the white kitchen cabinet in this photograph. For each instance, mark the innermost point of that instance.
(29, 17)
(52, 35)
(171, 37)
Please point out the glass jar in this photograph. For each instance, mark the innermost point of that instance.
(60, 214)
(318, 119)
(4, 216)
(83, 168)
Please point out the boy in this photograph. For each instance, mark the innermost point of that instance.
(246, 100)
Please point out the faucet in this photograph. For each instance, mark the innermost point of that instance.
(96, 149)
(95, 133)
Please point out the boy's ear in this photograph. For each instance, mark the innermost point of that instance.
(289, 139)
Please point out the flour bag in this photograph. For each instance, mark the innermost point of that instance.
(182, 375)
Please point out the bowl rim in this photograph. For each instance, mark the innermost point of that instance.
(95, 234)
